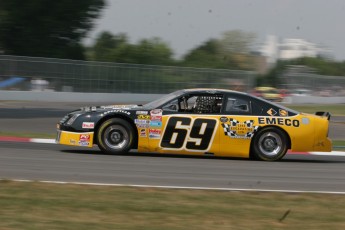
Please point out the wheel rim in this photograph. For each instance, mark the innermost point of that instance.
(270, 144)
(116, 137)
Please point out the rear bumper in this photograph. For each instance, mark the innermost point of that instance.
(74, 138)
(324, 145)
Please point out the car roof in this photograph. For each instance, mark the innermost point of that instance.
(212, 91)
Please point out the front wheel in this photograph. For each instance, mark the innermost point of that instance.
(269, 144)
(115, 136)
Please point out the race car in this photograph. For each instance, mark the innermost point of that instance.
(212, 122)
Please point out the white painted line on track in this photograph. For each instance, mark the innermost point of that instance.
(43, 141)
(184, 187)
(333, 153)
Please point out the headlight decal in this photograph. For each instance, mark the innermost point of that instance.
(72, 119)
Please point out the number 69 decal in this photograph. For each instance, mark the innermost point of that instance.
(187, 133)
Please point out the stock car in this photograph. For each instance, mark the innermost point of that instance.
(213, 122)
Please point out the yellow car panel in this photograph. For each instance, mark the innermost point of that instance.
(222, 143)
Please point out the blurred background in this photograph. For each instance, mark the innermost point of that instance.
(272, 49)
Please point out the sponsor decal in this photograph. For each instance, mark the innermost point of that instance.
(240, 130)
(87, 109)
(142, 112)
(305, 120)
(143, 125)
(278, 121)
(83, 143)
(143, 117)
(320, 143)
(84, 137)
(271, 112)
(88, 125)
(224, 119)
(117, 111)
(157, 124)
(142, 133)
(140, 121)
(155, 133)
(156, 118)
(156, 112)
(72, 142)
(283, 112)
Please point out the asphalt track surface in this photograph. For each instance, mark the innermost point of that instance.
(48, 162)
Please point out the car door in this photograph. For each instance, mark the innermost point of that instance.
(238, 126)
(190, 125)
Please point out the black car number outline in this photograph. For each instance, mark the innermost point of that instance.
(189, 134)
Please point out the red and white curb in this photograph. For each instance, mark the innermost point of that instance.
(52, 141)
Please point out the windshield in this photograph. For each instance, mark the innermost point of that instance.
(162, 100)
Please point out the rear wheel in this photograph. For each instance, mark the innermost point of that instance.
(269, 144)
(115, 136)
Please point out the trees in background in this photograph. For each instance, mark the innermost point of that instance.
(116, 48)
(46, 28)
(205, 56)
(107, 47)
(322, 66)
(231, 51)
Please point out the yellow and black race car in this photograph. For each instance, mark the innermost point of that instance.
(212, 122)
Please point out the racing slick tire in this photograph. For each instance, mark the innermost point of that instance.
(269, 144)
(115, 136)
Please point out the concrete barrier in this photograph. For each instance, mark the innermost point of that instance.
(51, 96)
(314, 100)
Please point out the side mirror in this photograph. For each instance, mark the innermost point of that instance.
(173, 107)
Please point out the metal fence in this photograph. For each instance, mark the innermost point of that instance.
(303, 80)
(31, 73)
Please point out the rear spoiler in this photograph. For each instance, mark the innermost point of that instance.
(323, 114)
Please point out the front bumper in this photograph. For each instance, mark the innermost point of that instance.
(84, 139)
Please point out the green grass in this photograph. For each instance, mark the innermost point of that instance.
(33, 205)
(335, 110)
(338, 145)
